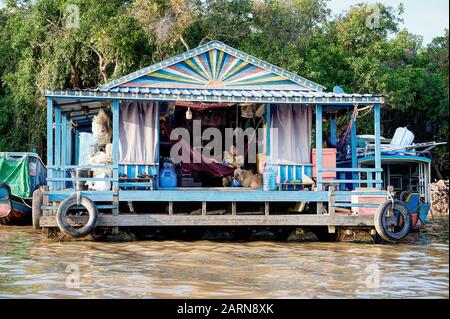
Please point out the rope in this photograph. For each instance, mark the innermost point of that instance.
(368, 108)
(23, 201)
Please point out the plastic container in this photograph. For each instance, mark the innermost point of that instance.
(402, 137)
(235, 183)
(167, 176)
(269, 179)
(81, 173)
(328, 161)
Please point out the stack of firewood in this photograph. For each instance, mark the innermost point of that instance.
(439, 197)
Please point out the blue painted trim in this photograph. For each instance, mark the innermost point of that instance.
(116, 115)
(69, 143)
(50, 139)
(361, 193)
(325, 98)
(209, 195)
(177, 195)
(401, 158)
(85, 179)
(64, 145)
(333, 129)
(158, 123)
(58, 143)
(351, 170)
(21, 154)
(319, 146)
(77, 146)
(268, 124)
(356, 205)
(353, 146)
(377, 124)
(353, 181)
(85, 166)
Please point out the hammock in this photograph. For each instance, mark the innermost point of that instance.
(197, 161)
(341, 143)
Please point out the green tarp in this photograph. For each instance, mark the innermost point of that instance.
(16, 173)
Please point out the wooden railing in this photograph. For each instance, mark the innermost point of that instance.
(357, 178)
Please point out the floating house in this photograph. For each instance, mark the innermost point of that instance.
(134, 181)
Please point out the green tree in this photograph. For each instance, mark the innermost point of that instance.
(363, 50)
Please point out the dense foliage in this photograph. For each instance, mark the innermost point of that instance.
(362, 50)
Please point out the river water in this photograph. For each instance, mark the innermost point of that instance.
(34, 267)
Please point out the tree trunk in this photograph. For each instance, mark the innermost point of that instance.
(437, 170)
(184, 42)
(102, 63)
(74, 75)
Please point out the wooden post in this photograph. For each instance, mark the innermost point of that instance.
(45, 201)
(333, 129)
(331, 200)
(377, 128)
(353, 146)
(233, 208)
(77, 145)
(50, 141)
(268, 119)
(116, 111)
(64, 146)
(170, 208)
(319, 146)
(58, 144)
(63, 138)
(266, 208)
(157, 142)
(115, 210)
(115, 150)
(203, 208)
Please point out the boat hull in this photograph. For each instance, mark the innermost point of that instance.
(15, 211)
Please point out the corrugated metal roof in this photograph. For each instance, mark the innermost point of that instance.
(238, 96)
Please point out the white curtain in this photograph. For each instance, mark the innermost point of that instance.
(290, 142)
(138, 133)
(84, 149)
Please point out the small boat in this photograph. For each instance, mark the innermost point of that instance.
(406, 167)
(20, 175)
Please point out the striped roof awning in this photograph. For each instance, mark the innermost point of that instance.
(214, 72)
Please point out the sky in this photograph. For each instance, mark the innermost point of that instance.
(427, 18)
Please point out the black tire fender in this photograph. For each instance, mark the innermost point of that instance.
(381, 224)
(63, 209)
(36, 207)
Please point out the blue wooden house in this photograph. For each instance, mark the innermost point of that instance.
(217, 75)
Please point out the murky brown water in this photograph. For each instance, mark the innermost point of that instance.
(31, 267)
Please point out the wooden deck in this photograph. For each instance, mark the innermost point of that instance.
(128, 220)
(197, 195)
(328, 202)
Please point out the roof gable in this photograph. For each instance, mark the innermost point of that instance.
(214, 66)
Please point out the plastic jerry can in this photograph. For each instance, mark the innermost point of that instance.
(167, 177)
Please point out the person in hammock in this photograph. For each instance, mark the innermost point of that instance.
(231, 158)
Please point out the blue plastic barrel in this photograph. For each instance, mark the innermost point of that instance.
(167, 177)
